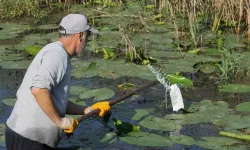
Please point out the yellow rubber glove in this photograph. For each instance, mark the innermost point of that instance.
(103, 106)
(68, 124)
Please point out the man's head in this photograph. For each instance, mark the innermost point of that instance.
(74, 31)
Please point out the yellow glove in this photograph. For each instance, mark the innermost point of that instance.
(68, 124)
(103, 106)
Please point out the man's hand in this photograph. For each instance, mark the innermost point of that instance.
(103, 106)
(68, 124)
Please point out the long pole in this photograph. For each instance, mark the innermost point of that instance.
(117, 100)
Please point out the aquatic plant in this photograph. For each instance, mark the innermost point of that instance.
(13, 9)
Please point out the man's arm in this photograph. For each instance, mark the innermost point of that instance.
(75, 109)
(44, 100)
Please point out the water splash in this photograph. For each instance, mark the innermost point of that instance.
(162, 78)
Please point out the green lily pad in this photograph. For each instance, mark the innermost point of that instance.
(220, 140)
(2, 128)
(158, 123)
(235, 88)
(182, 139)
(11, 57)
(243, 107)
(110, 138)
(10, 101)
(239, 123)
(98, 94)
(207, 68)
(174, 117)
(15, 64)
(125, 127)
(76, 90)
(211, 51)
(47, 27)
(149, 140)
(33, 50)
(2, 140)
(78, 101)
(180, 80)
(135, 114)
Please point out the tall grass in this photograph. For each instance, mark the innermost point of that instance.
(10, 9)
(231, 13)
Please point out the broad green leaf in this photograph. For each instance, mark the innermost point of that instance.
(76, 90)
(182, 139)
(92, 66)
(10, 101)
(195, 51)
(104, 94)
(174, 117)
(33, 50)
(220, 140)
(109, 138)
(135, 114)
(234, 88)
(108, 53)
(150, 140)
(78, 101)
(2, 128)
(11, 57)
(207, 145)
(15, 64)
(2, 140)
(158, 124)
(243, 107)
(98, 94)
(207, 68)
(180, 80)
(211, 51)
(47, 27)
(125, 127)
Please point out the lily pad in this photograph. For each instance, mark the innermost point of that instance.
(243, 107)
(158, 123)
(47, 27)
(125, 127)
(149, 140)
(220, 140)
(180, 80)
(10, 101)
(76, 90)
(78, 101)
(135, 114)
(182, 139)
(234, 88)
(2, 140)
(98, 94)
(11, 57)
(109, 138)
(33, 50)
(15, 64)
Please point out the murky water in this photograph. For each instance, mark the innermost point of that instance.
(11, 79)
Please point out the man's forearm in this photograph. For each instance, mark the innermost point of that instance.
(44, 100)
(75, 109)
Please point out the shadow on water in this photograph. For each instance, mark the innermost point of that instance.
(91, 131)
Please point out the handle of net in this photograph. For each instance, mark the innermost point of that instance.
(117, 100)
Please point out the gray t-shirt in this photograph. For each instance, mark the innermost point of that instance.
(50, 69)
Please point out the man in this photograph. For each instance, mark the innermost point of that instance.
(38, 119)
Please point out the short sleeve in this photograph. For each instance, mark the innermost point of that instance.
(51, 71)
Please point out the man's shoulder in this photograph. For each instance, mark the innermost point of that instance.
(55, 48)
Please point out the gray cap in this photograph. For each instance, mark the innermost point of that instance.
(75, 23)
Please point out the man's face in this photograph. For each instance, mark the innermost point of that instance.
(82, 42)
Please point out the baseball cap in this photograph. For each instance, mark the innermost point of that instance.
(75, 23)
